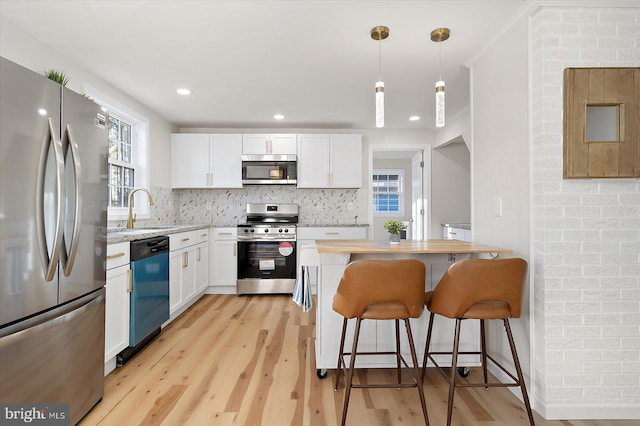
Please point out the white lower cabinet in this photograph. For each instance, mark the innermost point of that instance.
(188, 277)
(307, 236)
(223, 260)
(202, 266)
(118, 290)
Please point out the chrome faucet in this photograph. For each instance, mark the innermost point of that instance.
(132, 218)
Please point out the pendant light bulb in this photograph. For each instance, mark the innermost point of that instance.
(440, 103)
(439, 35)
(379, 104)
(379, 33)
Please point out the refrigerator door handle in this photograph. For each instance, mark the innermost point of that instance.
(69, 257)
(50, 261)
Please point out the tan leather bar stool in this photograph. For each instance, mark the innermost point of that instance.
(480, 289)
(380, 290)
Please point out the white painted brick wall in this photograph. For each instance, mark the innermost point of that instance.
(586, 232)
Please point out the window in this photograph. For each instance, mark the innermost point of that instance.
(121, 162)
(128, 155)
(388, 192)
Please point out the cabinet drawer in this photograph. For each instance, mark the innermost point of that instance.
(117, 255)
(329, 233)
(202, 235)
(183, 239)
(225, 233)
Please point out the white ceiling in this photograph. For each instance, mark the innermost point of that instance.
(313, 61)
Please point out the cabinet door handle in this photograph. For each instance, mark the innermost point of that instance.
(185, 259)
(130, 275)
(225, 233)
(204, 235)
(331, 233)
(184, 240)
(115, 256)
(234, 249)
(198, 257)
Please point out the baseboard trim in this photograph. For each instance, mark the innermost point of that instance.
(590, 411)
(567, 411)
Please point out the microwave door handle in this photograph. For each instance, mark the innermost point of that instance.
(50, 260)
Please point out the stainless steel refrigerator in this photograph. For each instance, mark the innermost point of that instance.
(53, 203)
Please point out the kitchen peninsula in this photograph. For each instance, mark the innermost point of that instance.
(437, 255)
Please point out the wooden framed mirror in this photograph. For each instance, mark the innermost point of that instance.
(601, 122)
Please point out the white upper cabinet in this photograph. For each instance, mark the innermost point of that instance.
(330, 161)
(226, 161)
(275, 144)
(206, 160)
(189, 160)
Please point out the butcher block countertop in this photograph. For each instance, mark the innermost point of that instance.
(405, 246)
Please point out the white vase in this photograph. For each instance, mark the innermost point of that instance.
(394, 238)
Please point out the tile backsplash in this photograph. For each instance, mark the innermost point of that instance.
(227, 206)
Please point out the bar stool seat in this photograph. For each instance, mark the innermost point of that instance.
(481, 289)
(380, 290)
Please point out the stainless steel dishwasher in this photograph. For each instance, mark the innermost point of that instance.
(149, 307)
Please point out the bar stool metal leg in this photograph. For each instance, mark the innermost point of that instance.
(340, 355)
(397, 324)
(416, 371)
(425, 359)
(352, 362)
(454, 364)
(525, 396)
(483, 348)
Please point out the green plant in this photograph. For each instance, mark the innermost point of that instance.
(58, 76)
(394, 226)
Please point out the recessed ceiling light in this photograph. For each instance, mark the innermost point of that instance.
(279, 117)
(42, 111)
(414, 118)
(183, 91)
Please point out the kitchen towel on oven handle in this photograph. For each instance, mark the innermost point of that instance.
(302, 290)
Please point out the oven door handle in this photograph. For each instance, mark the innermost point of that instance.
(265, 240)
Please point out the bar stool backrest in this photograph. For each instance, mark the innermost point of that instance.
(472, 281)
(370, 281)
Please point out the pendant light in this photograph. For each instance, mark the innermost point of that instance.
(439, 35)
(379, 33)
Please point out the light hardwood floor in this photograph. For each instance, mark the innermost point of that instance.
(234, 360)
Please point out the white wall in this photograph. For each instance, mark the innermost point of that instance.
(586, 232)
(20, 47)
(457, 127)
(500, 167)
(451, 186)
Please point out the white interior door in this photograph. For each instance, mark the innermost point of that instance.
(417, 195)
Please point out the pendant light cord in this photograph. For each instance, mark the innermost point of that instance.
(379, 59)
(440, 75)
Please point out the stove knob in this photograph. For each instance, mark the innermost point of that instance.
(280, 230)
(253, 230)
(246, 230)
(286, 230)
(266, 230)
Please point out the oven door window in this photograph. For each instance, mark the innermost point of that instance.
(266, 259)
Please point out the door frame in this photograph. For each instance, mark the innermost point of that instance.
(426, 179)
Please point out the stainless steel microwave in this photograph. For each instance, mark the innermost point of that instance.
(269, 170)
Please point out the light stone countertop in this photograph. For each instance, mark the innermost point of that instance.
(121, 235)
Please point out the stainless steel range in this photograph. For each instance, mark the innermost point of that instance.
(267, 249)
